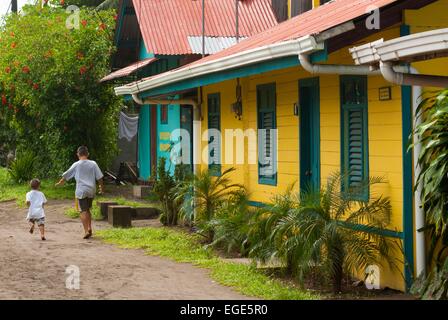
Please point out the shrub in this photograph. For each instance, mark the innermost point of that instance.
(203, 195)
(22, 169)
(434, 286)
(230, 225)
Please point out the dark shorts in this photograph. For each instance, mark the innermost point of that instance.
(85, 204)
(39, 222)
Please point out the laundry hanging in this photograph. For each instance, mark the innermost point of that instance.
(128, 127)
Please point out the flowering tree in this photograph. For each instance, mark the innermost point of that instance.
(51, 99)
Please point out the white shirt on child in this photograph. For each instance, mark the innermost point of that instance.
(37, 200)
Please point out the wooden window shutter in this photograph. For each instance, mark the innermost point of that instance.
(354, 137)
(214, 122)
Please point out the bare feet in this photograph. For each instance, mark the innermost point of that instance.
(43, 238)
(88, 235)
(32, 229)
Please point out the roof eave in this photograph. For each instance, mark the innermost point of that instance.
(305, 44)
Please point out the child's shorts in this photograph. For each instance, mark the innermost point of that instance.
(39, 222)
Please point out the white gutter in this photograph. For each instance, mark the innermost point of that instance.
(305, 44)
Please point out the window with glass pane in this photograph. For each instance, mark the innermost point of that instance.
(164, 114)
(300, 6)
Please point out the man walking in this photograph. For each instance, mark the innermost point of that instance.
(86, 173)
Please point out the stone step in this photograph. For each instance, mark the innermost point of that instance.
(141, 192)
(104, 205)
(120, 216)
(143, 213)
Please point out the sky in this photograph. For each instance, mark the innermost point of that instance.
(4, 5)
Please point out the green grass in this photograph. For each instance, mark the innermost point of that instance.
(74, 214)
(183, 247)
(13, 191)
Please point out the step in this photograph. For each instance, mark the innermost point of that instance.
(120, 216)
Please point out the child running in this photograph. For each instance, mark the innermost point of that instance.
(35, 200)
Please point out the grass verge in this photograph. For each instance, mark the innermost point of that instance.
(13, 191)
(183, 247)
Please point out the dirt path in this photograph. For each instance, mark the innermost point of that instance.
(33, 269)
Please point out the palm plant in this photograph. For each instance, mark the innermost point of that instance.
(263, 224)
(333, 233)
(206, 195)
(231, 223)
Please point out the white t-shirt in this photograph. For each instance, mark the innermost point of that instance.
(37, 200)
(86, 174)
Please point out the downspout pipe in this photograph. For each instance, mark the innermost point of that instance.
(196, 121)
(408, 79)
(419, 215)
(305, 62)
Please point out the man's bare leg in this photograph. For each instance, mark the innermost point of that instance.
(85, 219)
(89, 224)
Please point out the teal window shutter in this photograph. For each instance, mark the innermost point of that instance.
(267, 134)
(354, 137)
(214, 138)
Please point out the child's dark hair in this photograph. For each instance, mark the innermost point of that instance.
(83, 151)
(35, 184)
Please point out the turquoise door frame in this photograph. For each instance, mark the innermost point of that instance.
(165, 136)
(309, 121)
(144, 143)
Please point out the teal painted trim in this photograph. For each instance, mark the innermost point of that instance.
(408, 192)
(144, 141)
(408, 199)
(144, 54)
(358, 227)
(362, 195)
(257, 204)
(120, 23)
(242, 72)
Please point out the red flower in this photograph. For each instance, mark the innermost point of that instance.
(62, 2)
(102, 27)
(8, 69)
(36, 86)
(83, 70)
(13, 45)
(12, 34)
(4, 100)
(116, 17)
(26, 69)
(84, 23)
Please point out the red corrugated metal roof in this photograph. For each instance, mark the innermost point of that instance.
(128, 70)
(314, 21)
(166, 24)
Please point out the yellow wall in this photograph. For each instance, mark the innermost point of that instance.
(419, 21)
(385, 133)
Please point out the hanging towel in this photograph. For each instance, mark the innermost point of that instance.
(127, 127)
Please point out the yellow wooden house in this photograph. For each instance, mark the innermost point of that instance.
(318, 79)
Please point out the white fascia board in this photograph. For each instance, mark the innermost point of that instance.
(305, 44)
